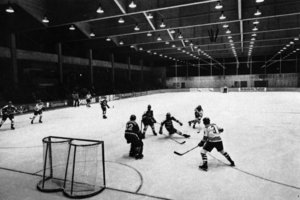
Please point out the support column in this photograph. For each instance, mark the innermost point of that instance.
(14, 64)
(251, 62)
(296, 71)
(129, 69)
(211, 72)
(280, 64)
(176, 79)
(91, 67)
(112, 59)
(199, 72)
(237, 68)
(142, 73)
(187, 70)
(224, 68)
(60, 62)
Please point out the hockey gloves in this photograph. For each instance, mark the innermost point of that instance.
(201, 143)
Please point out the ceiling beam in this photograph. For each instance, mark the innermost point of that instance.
(132, 13)
(84, 28)
(241, 24)
(149, 21)
(170, 34)
(120, 6)
(37, 9)
(202, 25)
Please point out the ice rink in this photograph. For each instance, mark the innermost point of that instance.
(261, 133)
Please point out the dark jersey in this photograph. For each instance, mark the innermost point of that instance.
(148, 117)
(104, 104)
(9, 110)
(133, 128)
(168, 123)
(198, 112)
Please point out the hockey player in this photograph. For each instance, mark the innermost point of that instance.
(88, 99)
(198, 116)
(38, 110)
(8, 111)
(169, 126)
(75, 97)
(134, 137)
(104, 105)
(211, 140)
(148, 120)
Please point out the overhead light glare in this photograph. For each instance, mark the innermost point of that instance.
(72, 28)
(121, 20)
(162, 25)
(45, 20)
(258, 12)
(222, 17)
(132, 5)
(219, 5)
(149, 34)
(9, 9)
(100, 10)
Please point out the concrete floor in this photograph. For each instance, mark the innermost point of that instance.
(262, 135)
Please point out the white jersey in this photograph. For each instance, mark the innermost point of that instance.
(212, 133)
(39, 107)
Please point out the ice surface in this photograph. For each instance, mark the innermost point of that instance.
(261, 133)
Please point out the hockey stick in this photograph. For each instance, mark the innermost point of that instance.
(181, 154)
(177, 141)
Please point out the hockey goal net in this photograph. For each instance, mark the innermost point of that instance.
(73, 166)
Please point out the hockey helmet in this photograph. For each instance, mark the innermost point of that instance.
(10, 103)
(168, 115)
(206, 121)
(132, 117)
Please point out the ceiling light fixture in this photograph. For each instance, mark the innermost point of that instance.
(121, 42)
(222, 17)
(225, 25)
(121, 20)
(108, 39)
(45, 20)
(72, 28)
(100, 10)
(136, 28)
(9, 9)
(180, 36)
(228, 31)
(219, 5)
(259, 1)
(158, 38)
(254, 35)
(258, 12)
(172, 31)
(167, 42)
(255, 28)
(256, 22)
(92, 34)
(162, 25)
(149, 34)
(150, 16)
(132, 5)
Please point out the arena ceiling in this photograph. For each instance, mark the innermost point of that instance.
(182, 30)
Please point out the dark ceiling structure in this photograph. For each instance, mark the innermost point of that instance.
(172, 30)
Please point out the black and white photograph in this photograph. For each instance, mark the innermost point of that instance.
(149, 99)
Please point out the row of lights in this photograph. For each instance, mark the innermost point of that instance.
(228, 32)
(290, 44)
(254, 29)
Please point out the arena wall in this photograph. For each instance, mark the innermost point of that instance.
(268, 80)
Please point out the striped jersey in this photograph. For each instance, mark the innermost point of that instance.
(39, 107)
(212, 132)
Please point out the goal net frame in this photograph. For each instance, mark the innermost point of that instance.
(76, 177)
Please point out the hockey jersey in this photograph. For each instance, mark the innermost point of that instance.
(104, 104)
(212, 132)
(39, 107)
(9, 110)
(168, 123)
